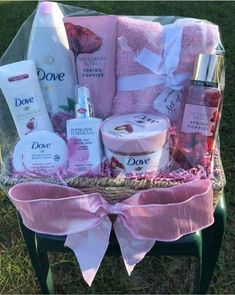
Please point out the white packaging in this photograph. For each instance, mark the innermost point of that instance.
(136, 143)
(20, 86)
(41, 152)
(84, 144)
(48, 47)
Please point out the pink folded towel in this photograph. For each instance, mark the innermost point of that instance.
(152, 57)
(132, 36)
(200, 37)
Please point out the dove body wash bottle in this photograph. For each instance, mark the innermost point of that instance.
(20, 86)
(83, 135)
(48, 47)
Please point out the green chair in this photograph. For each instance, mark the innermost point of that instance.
(204, 245)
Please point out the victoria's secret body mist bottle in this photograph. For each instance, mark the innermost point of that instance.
(201, 106)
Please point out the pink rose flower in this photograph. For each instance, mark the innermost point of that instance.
(59, 121)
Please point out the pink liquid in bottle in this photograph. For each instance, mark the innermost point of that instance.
(201, 107)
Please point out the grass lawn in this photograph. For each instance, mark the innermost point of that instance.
(158, 275)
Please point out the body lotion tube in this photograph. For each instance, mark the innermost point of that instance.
(20, 86)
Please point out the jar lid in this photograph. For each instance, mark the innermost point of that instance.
(135, 132)
(40, 151)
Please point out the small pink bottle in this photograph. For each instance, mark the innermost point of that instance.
(200, 108)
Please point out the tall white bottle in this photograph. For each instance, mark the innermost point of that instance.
(48, 47)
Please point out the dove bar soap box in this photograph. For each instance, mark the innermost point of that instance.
(136, 143)
(20, 86)
(92, 40)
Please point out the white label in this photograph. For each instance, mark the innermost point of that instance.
(84, 144)
(136, 125)
(28, 111)
(54, 67)
(137, 164)
(43, 157)
(199, 119)
(148, 59)
(168, 103)
(40, 151)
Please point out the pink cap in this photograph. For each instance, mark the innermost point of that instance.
(45, 7)
(135, 132)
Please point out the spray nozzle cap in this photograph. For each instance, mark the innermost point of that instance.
(83, 106)
(208, 68)
(82, 93)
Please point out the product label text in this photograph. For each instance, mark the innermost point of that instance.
(81, 131)
(133, 161)
(23, 101)
(38, 145)
(42, 75)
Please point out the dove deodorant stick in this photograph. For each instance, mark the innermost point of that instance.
(48, 48)
(20, 86)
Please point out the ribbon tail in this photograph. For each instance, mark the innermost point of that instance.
(133, 250)
(89, 248)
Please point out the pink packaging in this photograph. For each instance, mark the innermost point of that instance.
(154, 62)
(92, 40)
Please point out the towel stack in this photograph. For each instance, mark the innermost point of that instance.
(134, 35)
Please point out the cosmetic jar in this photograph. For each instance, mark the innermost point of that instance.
(41, 152)
(136, 143)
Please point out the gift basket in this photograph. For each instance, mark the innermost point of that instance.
(121, 110)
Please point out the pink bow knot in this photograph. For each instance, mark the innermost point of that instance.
(163, 214)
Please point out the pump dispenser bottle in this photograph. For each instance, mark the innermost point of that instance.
(83, 135)
(200, 108)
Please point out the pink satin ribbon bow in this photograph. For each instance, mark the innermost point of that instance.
(163, 214)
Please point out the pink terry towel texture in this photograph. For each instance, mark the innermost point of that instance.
(134, 35)
(201, 37)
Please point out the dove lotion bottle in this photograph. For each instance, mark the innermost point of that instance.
(20, 86)
(83, 136)
(48, 47)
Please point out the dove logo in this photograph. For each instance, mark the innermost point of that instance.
(133, 161)
(23, 101)
(36, 145)
(43, 75)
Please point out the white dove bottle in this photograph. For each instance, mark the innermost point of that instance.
(48, 47)
(20, 86)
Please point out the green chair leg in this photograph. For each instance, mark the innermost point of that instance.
(47, 281)
(211, 242)
(189, 245)
(39, 260)
(198, 255)
(204, 245)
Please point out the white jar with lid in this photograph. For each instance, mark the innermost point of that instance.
(136, 143)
